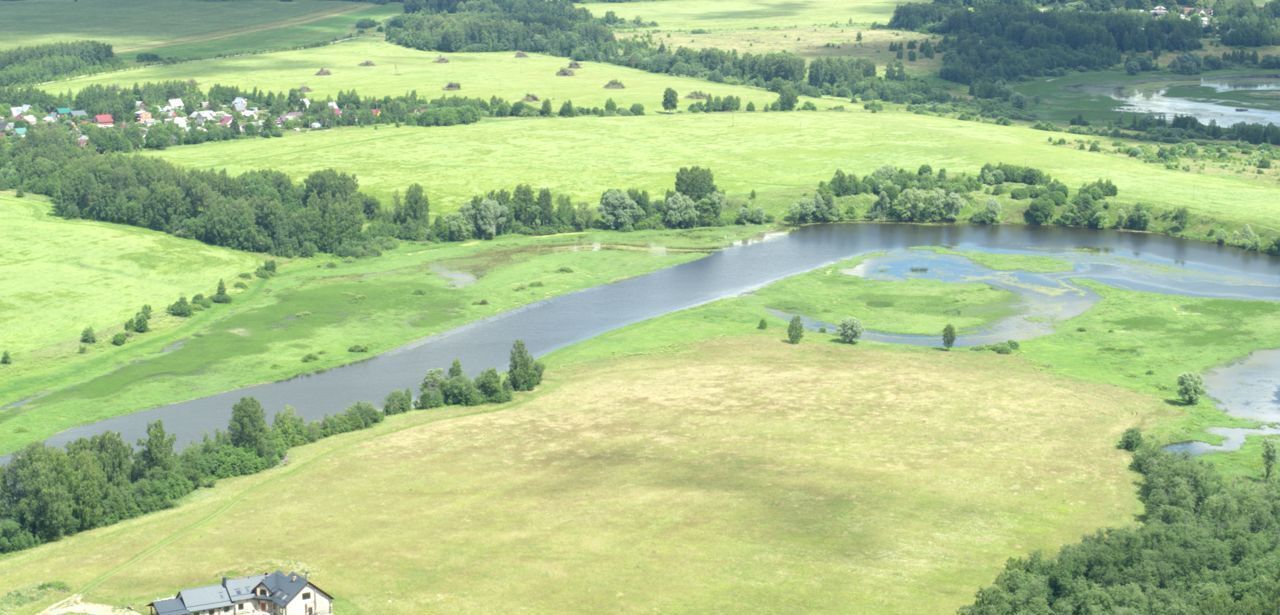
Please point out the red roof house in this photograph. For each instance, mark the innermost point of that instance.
(104, 120)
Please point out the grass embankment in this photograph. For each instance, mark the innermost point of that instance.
(399, 70)
(320, 306)
(704, 475)
(185, 29)
(998, 261)
(780, 155)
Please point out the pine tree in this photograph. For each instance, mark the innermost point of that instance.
(795, 330)
(948, 336)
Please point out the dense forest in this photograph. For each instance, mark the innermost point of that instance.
(1013, 40)
(1206, 545)
(25, 65)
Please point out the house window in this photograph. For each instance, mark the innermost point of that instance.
(306, 595)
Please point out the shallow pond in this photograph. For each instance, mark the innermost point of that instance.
(1159, 101)
(1137, 261)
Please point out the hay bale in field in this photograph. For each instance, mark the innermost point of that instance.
(521, 54)
(575, 64)
(442, 60)
(324, 72)
(614, 84)
(530, 98)
(698, 95)
(452, 86)
(304, 89)
(367, 63)
(564, 72)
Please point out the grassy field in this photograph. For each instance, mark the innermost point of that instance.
(61, 276)
(691, 478)
(184, 28)
(750, 14)
(781, 156)
(321, 306)
(911, 306)
(399, 70)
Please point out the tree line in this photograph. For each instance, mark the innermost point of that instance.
(37, 63)
(49, 492)
(558, 27)
(1013, 40)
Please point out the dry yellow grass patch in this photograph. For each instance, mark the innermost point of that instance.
(744, 475)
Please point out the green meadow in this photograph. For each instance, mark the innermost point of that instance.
(61, 276)
(750, 14)
(398, 70)
(184, 28)
(713, 467)
(779, 155)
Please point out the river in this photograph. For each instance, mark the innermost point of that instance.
(1145, 262)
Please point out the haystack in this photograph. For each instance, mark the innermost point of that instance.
(453, 85)
(521, 54)
(442, 60)
(324, 72)
(530, 98)
(304, 89)
(564, 72)
(614, 84)
(367, 63)
(575, 64)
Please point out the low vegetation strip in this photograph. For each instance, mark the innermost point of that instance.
(804, 461)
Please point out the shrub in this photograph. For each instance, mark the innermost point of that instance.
(1130, 440)
(181, 308)
(795, 330)
(1190, 388)
(88, 336)
(119, 339)
(850, 330)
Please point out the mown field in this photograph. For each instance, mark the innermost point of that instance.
(398, 70)
(696, 474)
(779, 155)
(184, 28)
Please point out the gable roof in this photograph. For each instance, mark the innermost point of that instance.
(104, 118)
(281, 590)
(204, 598)
(169, 606)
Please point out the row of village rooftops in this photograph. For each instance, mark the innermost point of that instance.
(174, 112)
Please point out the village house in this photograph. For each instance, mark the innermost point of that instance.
(263, 594)
(19, 111)
(104, 120)
(1159, 11)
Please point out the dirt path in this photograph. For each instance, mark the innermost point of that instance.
(75, 605)
(213, 36)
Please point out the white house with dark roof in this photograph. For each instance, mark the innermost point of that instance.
(262, 594)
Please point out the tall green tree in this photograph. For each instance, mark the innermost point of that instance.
(155, 452)
(523, 371)
(1268, 457)
(1190, 388)
(670, 100)
(695, 182)
(248, 429)
(948, 336)
(795, 330)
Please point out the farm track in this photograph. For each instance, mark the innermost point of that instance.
(284, 23)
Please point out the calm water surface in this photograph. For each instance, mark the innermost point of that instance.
(1138, 261)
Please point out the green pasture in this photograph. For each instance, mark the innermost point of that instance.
(750, 14)
(722, 469)
(61, 276)
(779, 155)
(184, 28)
(398, 70)
(318, 306)
(923, 307)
